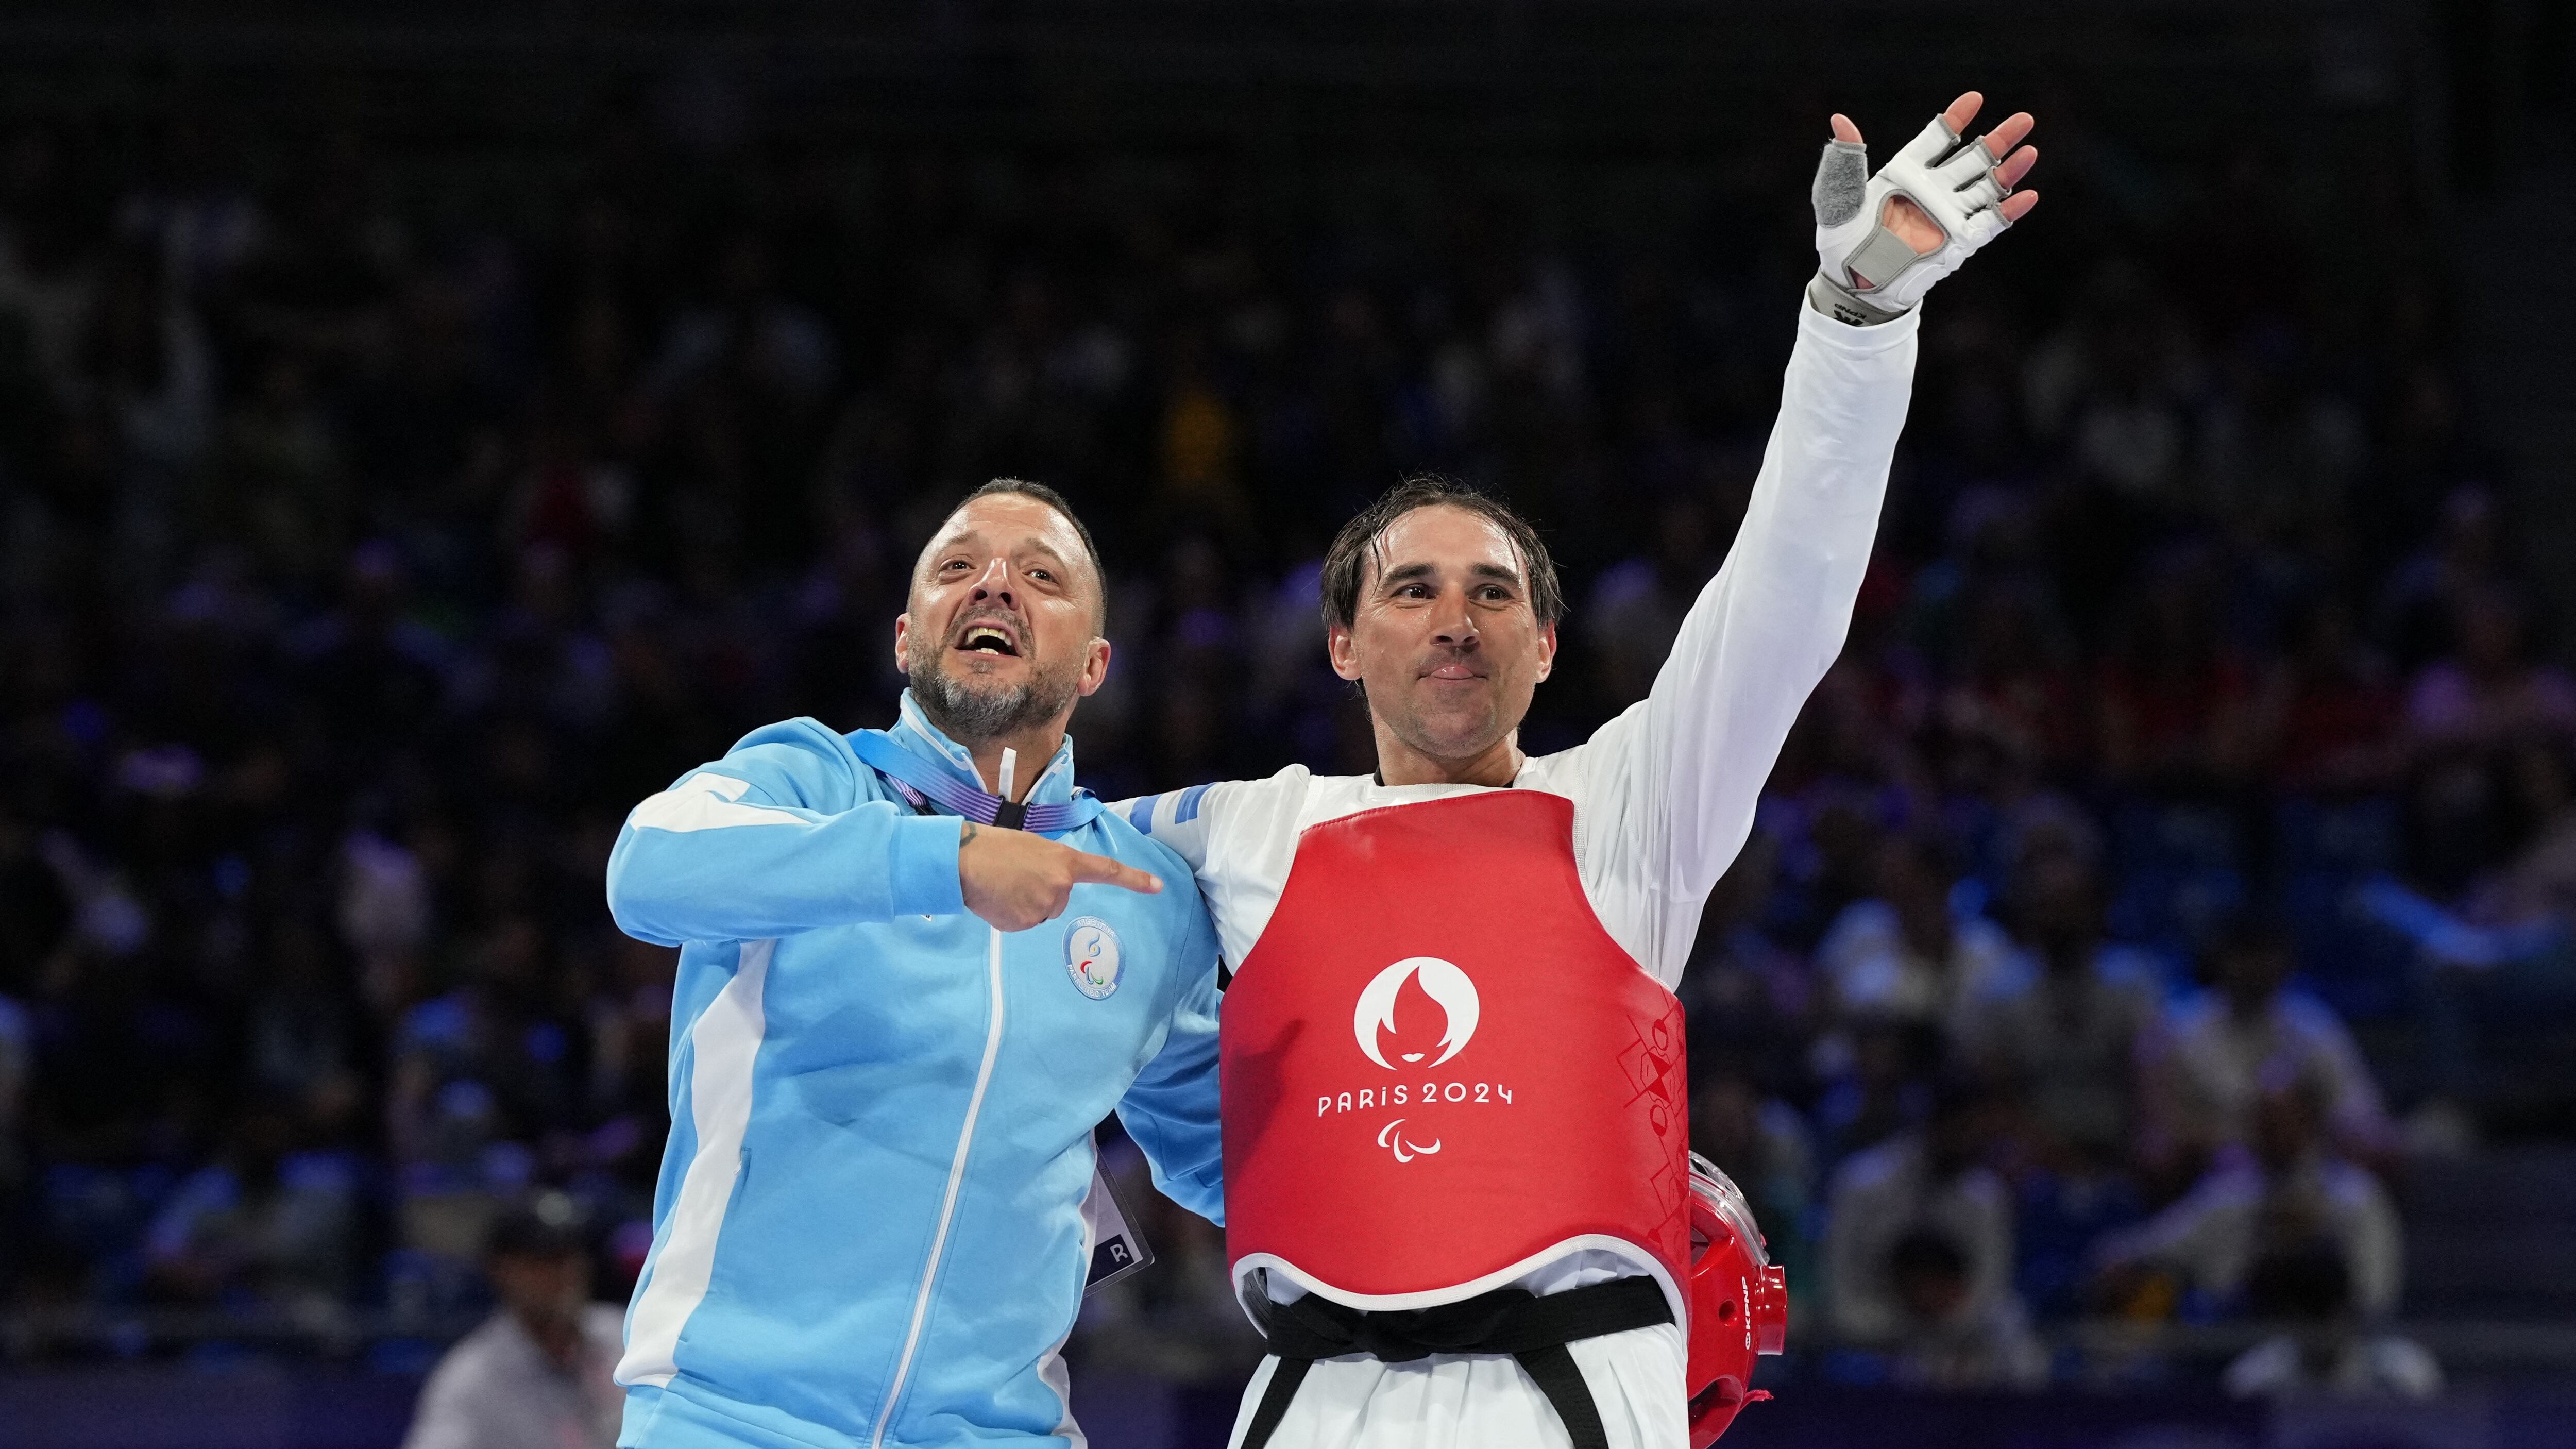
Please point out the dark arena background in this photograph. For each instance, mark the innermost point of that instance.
(425, 430)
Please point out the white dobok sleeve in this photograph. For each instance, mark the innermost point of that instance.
(1240, 838)
(1664, 794)
(1177, 818)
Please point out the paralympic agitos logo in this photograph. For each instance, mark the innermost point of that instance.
(1414, 1016)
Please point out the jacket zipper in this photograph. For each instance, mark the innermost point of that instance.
(948, 1204)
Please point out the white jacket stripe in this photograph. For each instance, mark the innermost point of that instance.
(724, 1041)
(706, 801)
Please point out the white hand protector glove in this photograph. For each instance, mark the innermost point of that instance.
(1872, 275)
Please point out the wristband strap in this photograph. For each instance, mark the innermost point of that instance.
(1845, 305)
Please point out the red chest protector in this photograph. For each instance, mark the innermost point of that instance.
(1439, 1071)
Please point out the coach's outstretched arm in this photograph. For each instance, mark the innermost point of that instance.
(777, 838)
(738, 851)
(1690, 761)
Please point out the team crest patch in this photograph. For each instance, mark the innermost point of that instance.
(1091, 956)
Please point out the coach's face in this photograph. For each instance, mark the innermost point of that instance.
(1002, 631)
(1444, 637)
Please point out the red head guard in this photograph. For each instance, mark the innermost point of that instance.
(1739, 1303)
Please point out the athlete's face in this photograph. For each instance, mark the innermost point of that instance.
(1002, 632)
(1443, 636)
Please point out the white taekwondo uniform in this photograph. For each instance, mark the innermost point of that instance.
(1662, 798)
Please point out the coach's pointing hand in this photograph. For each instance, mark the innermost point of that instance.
(1016, 880)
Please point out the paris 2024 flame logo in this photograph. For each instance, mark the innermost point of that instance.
(1393, 1024)
(1437, 983)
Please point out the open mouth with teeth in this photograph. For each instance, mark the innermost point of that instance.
(986, 639)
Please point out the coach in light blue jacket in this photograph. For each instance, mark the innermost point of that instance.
(898, 1018)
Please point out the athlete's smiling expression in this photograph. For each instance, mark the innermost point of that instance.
(1445, 640)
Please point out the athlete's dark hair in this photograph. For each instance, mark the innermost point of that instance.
(1063, 506)
(1347, 559)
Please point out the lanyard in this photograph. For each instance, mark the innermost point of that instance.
(924, 783)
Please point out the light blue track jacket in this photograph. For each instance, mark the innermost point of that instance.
(869, 1225)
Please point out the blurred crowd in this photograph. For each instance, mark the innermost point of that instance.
(368, 545)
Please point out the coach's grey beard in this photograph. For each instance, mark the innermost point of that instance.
(971, 715)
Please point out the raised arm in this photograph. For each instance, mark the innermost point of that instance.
(1667, 790)
(775, 838)
(1763, 632)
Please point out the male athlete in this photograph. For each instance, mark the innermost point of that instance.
(1455, 1160)
(873, 1225)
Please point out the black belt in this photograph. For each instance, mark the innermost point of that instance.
(1532, 1329)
